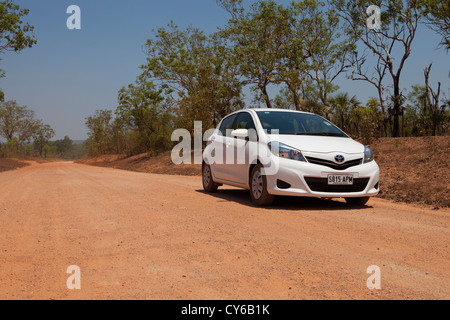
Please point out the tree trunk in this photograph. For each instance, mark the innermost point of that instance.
(384, 118)
(433, 99)
(296, 100)
(295, 97)
(266, 96)
(397, 106)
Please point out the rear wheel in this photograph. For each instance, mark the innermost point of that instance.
(357, 201)
(258, 188)
(208, 183)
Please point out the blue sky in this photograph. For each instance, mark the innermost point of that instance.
(71, 73)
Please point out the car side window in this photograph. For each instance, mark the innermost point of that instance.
(244, 121)
(227, 124)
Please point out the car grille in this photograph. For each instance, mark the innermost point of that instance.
(333, 165)
(321, 185)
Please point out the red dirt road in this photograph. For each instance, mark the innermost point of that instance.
(146, 236)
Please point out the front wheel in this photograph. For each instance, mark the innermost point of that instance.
(258, 188)
(208, 183)
(357, 201)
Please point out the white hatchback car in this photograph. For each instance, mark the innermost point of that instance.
(283, 152)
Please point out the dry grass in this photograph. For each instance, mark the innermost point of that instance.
(161, 164)
(11, 164)
(414, 170)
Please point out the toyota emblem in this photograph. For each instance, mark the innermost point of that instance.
(339, 158)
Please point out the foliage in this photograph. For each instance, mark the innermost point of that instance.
(17, 122)
(64, 149)
(25, 135)
(437, 15)
(42, 135)
(300, 49)
(15, 35)
(139, 124)
(256, 38)
(141, 119)
(100, 127)
(298, 45)
(195, 73)
(390, 45)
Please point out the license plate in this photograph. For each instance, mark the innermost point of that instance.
(340, 179)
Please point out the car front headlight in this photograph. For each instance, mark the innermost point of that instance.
(284, 151)
(368, 155)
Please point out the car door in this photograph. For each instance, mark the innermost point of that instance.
(220, 145)
(240, 146)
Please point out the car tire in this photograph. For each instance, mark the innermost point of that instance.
(258, 188)
(357, 201)
(208, 183)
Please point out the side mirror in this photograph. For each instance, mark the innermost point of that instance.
(240, 133)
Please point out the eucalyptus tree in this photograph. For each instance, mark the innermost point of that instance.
(299, 45)
(218, 89)
(256, 37)
(142, 122)
(17, 123)
(432, 97)
(100, 127)
(314, 50)
(42, 136)
(195, 70)
(383, 50)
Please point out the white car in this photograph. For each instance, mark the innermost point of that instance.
(275, 152)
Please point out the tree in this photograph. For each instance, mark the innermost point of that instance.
(15, 35)
(17, 122)
(100, 127)
(365, 120)
(217, 91)
(65, 149)
(417, 115)
(426, 115)
(63, 146)
(437, 15)
(312, 52)
(299, 45)
(255, 37)
(42, 136)
(140, 116)
(342, 104)
(399, 21)
(432, 99)
(316, 48)
(135, 98)
(374, 104)
(194, 70)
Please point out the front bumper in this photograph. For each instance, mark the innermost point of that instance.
(310, 180)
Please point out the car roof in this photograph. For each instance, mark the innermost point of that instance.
(271, 110)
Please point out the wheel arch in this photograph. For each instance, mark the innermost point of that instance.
(249, 175)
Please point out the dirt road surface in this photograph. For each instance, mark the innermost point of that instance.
(146, 236)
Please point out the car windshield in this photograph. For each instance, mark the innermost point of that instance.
(296, 123)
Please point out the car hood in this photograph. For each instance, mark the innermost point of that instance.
(320, 144)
